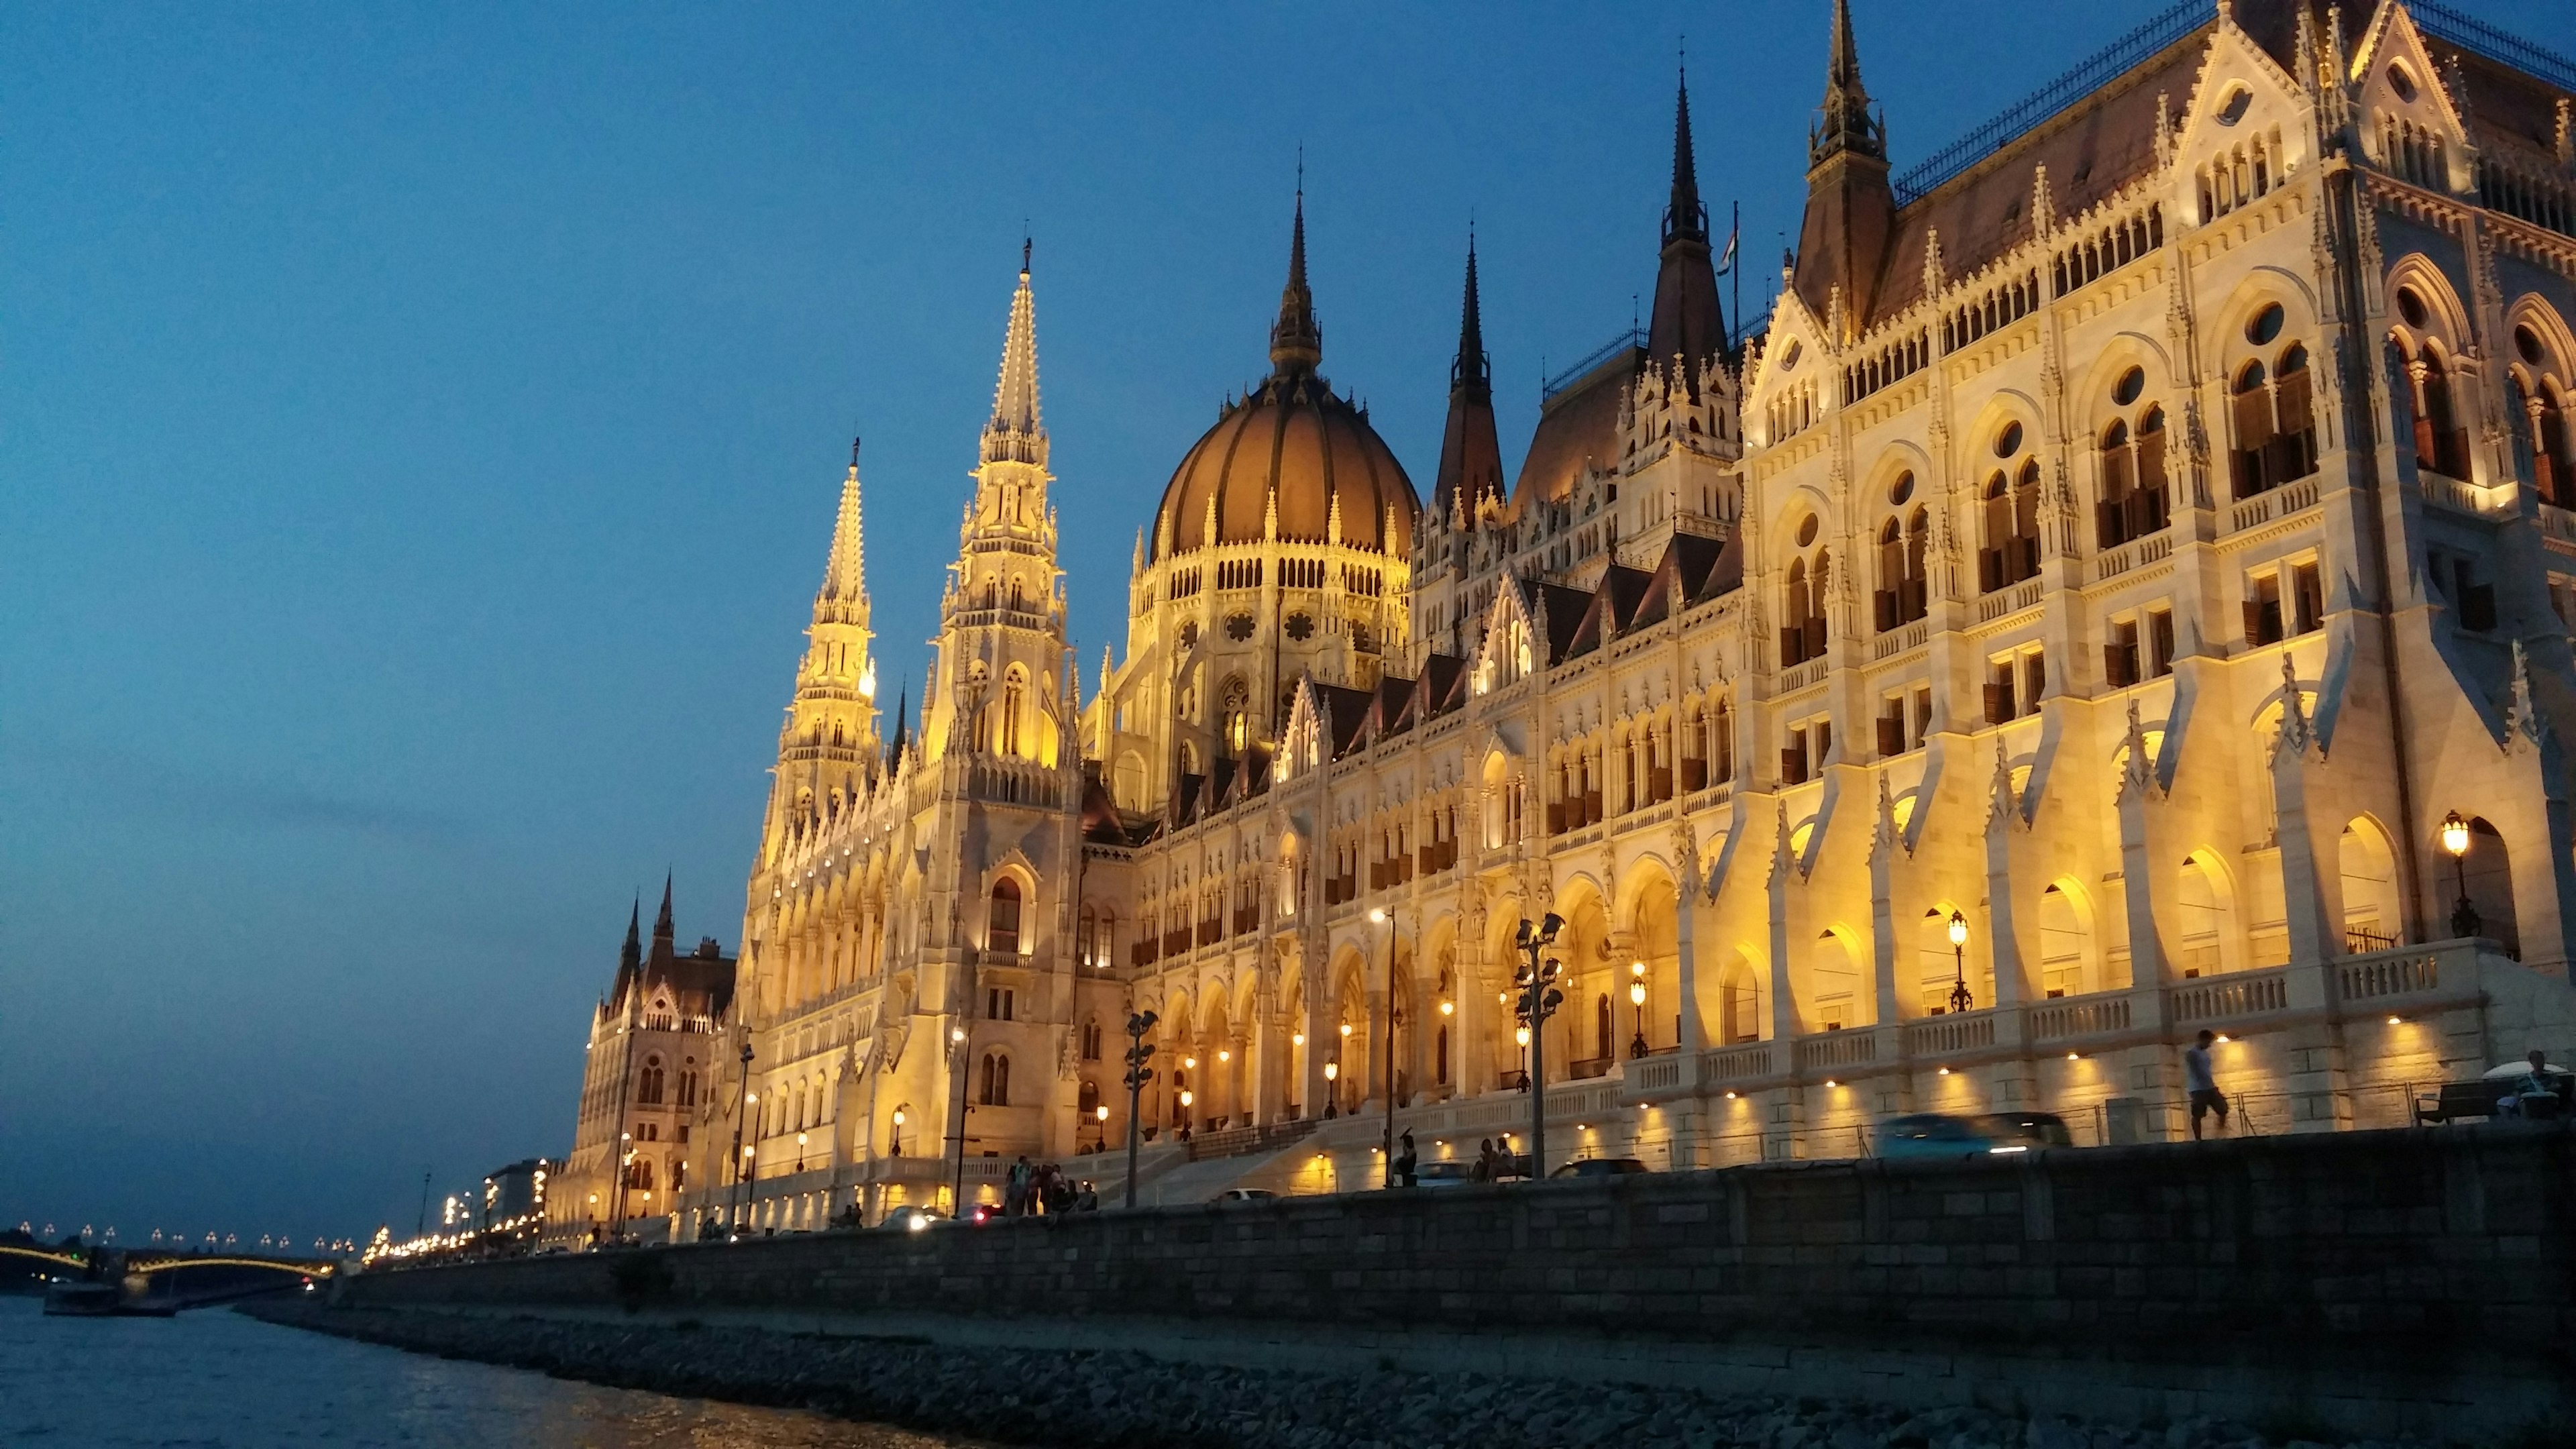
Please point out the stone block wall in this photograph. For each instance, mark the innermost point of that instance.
(2424, 1263)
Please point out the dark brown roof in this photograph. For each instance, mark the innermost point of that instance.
(1577, 426)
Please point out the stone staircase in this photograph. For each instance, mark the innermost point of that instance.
(1210, 1163)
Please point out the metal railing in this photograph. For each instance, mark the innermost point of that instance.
(1590, 360)
(2446, 24)
(2030, 111)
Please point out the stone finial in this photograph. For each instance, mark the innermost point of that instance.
(2565, 144)
(1884, 837)
(1782, 859)
(2525, 727)
(2006, 804)
(2295, 732)
(2043, 206)
(2138, 772)
(1932, 253)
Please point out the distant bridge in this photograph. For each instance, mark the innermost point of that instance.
(134, 1271)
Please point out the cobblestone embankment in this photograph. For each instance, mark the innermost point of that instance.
(1111, 1397)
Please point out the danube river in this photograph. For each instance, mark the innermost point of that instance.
(213, 1379)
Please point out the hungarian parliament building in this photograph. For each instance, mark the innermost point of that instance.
(2122, 592)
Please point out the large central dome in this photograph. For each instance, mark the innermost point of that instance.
(1293, 445)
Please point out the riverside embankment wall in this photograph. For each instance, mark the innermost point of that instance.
(2424, 1277)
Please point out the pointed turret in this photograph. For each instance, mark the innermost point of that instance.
(1471, 454)
(1015, 434)
(1851, 211)
(1688, 323)
(1297, 341)
(631, 955)
(843, 599)
(662, 927)
(902, 727)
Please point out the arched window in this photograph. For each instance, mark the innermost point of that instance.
(1802, 634)
(639, 1173)
(2441, 441)
(1235, 711)
(1002, 925)
(688, 1088)
(648, 1085)
(1903, 595)
(996, 1084)
(1087, 1109)
(1091, 1040)
(1015, 701)
(2134, 502)
(2010, 504)
(2553, 461)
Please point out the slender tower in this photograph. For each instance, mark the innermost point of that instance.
(827, 746)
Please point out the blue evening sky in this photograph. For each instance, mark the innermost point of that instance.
(423, 425)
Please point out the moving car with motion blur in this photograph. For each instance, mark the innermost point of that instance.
(1944, 1134)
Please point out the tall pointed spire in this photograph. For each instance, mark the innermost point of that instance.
(843, 598)
(662, 927)
(1688, 325)
(1684, 216)
(1851, 210)
(1297, 342)
(1015, 434)
(1846, 125)
(631, 955)
(1471, 454)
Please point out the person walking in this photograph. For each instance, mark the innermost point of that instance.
(1483, 1171)
(2202, 1084)
(1406, 1161)
(1015, 1188)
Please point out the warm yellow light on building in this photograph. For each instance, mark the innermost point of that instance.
(2455, 834)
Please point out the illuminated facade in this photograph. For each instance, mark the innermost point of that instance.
(2064, 627)
(647, 1070)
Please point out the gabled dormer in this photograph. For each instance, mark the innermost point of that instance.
(2246, 128)
(2410, 123)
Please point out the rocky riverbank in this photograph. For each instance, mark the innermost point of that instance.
(1076, 1400)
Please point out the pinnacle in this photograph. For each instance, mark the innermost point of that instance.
(845, 580)
(1015, 434)
(1685, 216)
(1297, 341)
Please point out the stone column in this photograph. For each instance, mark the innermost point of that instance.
(2001, 820)
(1686, 894)
(1883, 847)
(1784, 1001)
(2312, 938)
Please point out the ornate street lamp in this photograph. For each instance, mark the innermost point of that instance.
(1539, 1000)
(1394, 1014)
(1637, 999)
(1960, 999)
(741, 1153)
(1139, 1052)
(2455, 839)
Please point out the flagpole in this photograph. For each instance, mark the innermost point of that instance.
(1734, 230)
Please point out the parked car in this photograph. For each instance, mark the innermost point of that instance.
(1447, 1172)
(1601, 1167)
(1244, 1194)
(1945, 1134)
(913, 1218)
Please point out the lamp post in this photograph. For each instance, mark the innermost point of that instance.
(1139, 1052)
(957, 1184)
(1960, 1000)
(1393, 1015)
(625, 1169)
(1539, 999)
(2455, 839)
(895, 1148)
(741, 1154)
(800, 1152)
(1637, 999)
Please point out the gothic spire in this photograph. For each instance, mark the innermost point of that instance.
(843, 598)
(1297, 341)
(1846, 125)
(631, 955)
(1688, 324)
(662, 927)
(1015, 434)
(1685, 216)
(1471, 454)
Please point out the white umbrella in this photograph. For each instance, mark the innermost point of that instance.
(2510, 1070)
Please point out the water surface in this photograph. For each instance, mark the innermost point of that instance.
(212, 1379)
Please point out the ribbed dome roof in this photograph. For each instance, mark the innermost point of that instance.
(1293, 440)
